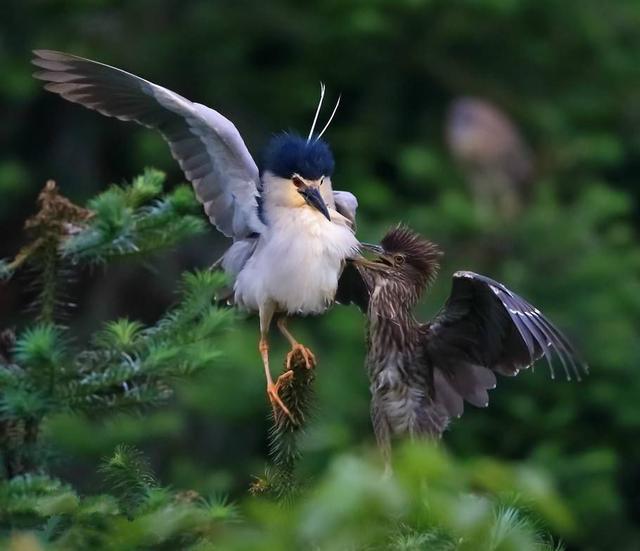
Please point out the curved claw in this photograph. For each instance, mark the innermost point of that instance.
(307, 355)
(276, 402)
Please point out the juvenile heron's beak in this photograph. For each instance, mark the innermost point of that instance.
(376, 249)
(313, 198)
(381, 259)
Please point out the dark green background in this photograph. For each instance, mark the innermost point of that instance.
(567, 72)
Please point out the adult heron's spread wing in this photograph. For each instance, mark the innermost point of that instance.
(485, 328)
(208, 146)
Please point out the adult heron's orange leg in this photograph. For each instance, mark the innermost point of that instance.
(309, 358)
(266, 314)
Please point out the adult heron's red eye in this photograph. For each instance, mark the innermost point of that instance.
(297, 181)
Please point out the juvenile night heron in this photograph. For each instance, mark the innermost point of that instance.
(291, 232)
(421, 373)
(497, 162)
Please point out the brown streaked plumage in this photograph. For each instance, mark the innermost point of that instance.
(422, 373)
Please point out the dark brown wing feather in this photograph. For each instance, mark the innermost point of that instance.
(352, 288)
(485, 328)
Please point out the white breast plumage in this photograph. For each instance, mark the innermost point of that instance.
(297, 262)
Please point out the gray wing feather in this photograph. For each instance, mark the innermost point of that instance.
(237, 255)
(346, 204)
(207, 146)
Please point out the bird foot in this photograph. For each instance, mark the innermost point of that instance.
(273, 390)
(307, 355)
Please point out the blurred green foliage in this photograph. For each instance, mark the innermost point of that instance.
(566, 72)
(433, 502)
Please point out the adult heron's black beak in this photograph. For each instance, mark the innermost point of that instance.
(312, 197)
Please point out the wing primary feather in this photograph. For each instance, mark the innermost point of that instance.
(520, 324)
(562, 342)
(531, 316)
(553, 335)
(524, 333)
(552, 340)
(570, 350)
(516, 313)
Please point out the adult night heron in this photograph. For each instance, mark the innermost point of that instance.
(291, 233)
(421, 373)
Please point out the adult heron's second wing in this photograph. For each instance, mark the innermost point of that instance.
(346, 204)
(484, 328)
(208, 146)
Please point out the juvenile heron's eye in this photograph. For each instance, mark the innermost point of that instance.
(398, 260)
(297, 181)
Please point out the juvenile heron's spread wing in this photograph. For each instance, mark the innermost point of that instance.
(207, 146)
(484, 328)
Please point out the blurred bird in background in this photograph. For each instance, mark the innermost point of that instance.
(495, 160)
(291, 232)
(421, 373)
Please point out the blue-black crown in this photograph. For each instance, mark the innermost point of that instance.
(289, 154)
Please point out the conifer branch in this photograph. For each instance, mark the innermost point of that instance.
(129, 476)
(298, 395)
(126, 365)
(135, 220)
(57, 219)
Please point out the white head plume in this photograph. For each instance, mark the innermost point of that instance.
(315, 118)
